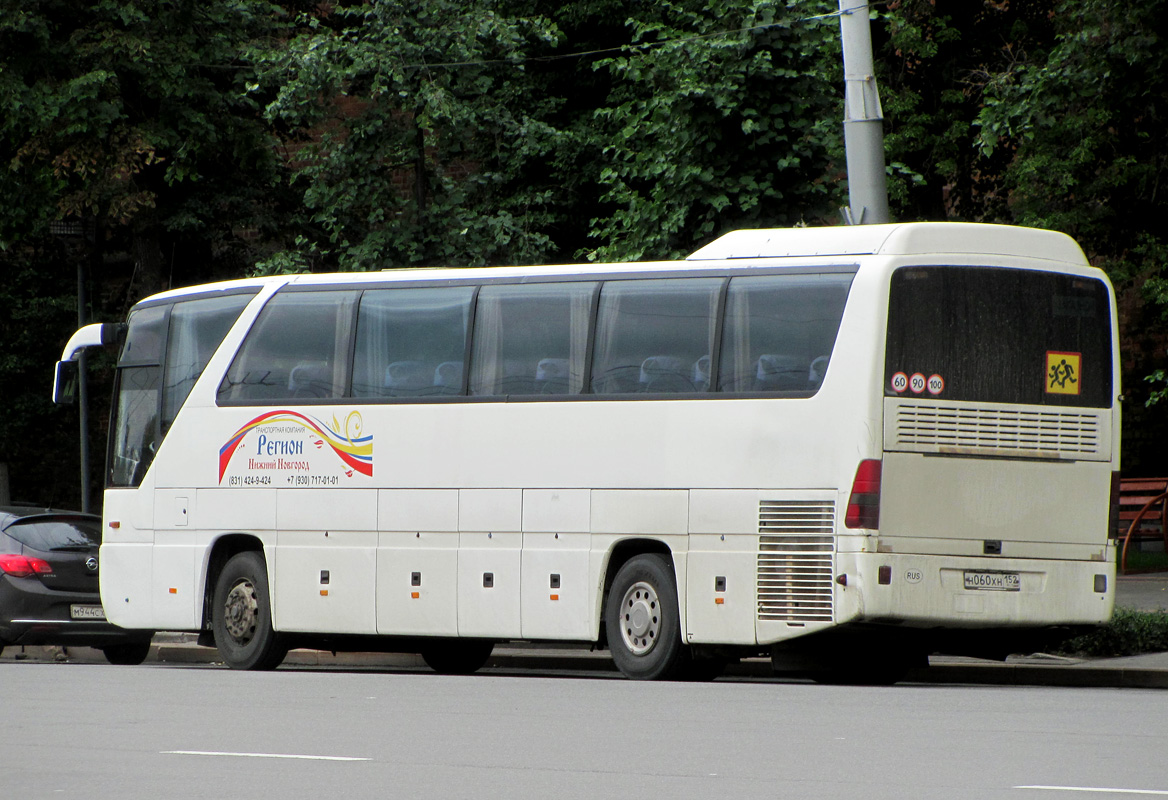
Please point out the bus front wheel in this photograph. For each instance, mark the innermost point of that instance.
(641, 616)
(241, 618)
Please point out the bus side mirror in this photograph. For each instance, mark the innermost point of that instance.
(65, 383)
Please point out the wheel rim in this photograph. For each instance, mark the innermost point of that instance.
(640, 618)
(241, 611)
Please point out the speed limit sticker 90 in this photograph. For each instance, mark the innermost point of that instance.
(899, 382)
(916, 383)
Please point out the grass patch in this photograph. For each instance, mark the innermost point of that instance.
(1128, 634)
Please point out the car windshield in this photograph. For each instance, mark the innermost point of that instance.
(47, 533)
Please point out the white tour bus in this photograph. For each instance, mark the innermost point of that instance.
(866, 443)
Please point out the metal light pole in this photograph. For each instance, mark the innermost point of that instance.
(73, 230)
(863, 120)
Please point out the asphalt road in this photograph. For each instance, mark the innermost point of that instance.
(97, 731)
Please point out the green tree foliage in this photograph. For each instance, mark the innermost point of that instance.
(1084, 118)
(417, 135)
(722, 115)
(134, 114)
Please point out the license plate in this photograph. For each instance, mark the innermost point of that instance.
(86, 612)
(993, 581)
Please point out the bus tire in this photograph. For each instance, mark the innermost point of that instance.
(130, 654)
(241, 615)
(642, 620)
(457, 657)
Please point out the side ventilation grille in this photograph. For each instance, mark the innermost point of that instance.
(796, 560)
(922, 427)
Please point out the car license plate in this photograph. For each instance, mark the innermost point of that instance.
(86, 612)
(993, 581)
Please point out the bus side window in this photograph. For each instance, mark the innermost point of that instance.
(297, 349)
(411, 342)
(531, 339)
(651, 336)
(779, 332)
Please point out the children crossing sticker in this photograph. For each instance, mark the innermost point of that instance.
(1063, 372)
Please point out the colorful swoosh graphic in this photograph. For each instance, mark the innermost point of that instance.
(352, 448)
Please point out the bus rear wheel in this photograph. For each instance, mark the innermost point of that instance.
(241, 615)
(642, 620)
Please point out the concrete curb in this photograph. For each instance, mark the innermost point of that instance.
(178, 650)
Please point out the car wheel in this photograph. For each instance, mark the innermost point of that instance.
(130, 654)
(642, 621)
(457, 657)
(241, 615)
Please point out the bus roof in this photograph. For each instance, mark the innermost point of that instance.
(909, 238)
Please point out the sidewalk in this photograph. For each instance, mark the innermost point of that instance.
(1142, 592)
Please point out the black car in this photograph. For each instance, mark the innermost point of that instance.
(48, 585)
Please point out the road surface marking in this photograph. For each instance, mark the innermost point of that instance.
(259, 755)
(1100, 790)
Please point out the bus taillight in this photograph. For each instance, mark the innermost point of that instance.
(864, 504)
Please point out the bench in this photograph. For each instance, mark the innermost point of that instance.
(1143, 513)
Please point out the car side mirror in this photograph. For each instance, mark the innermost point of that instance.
(65, 383)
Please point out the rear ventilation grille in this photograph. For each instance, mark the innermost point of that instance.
(796, 560)
(956, 428)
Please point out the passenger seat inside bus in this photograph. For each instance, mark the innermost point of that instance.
(408, 378)
(551, 376)
(701, 374)
(448, 377)
(311, 380)
(779, 372)
(665, 374)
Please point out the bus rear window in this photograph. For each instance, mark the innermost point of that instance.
(994, 335)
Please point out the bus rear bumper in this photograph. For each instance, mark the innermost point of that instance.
(970, 592)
